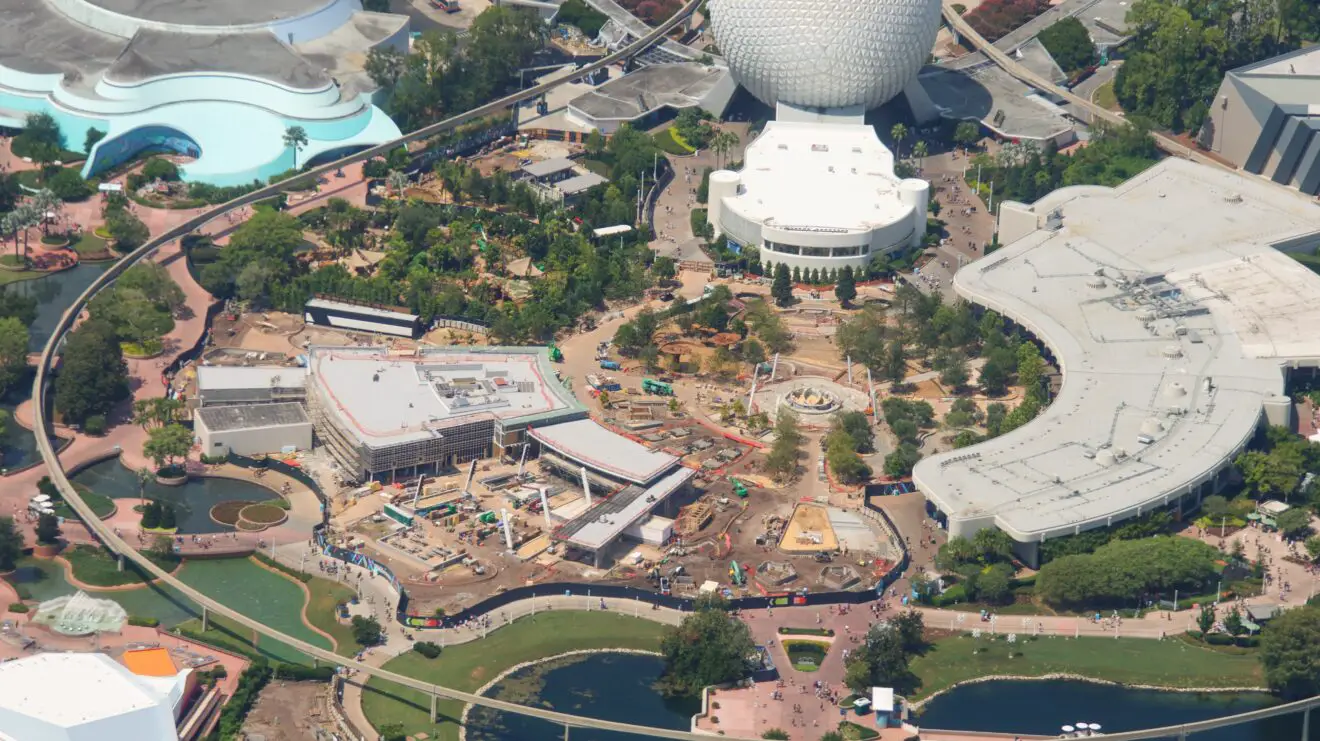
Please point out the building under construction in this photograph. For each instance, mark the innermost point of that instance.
(387, 415)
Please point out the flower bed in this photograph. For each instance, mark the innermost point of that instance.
(262, 514)
(827, 632)
(226, 512)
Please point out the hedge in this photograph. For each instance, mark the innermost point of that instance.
(143, 622)
(267, 560)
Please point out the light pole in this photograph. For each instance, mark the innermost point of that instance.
(144, 476)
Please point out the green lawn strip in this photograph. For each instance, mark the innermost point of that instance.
(1104, 96)
(101, 505)
(90, 245)
(230, 636)
(325, 597)
(1168, 663)
(263, 595)
(95, 567)
(468, 666)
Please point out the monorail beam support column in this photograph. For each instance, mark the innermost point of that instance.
(1306, 724)
(121, 562)
(206, 619)
(435, 706)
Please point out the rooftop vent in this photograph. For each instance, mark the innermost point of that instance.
(1172, 351)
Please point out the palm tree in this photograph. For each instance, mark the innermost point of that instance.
(899, 132)
(45, 202)
(728, 144)
(295, 137)
(919, 151)
(396, 181)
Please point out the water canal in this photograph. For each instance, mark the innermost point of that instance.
(192, 501)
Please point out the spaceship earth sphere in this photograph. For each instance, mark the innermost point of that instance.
(825, 53)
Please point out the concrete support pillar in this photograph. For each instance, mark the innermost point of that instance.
(206, 619)
(435, 707)
(121, 562)
(1306, 724)
(586, 486)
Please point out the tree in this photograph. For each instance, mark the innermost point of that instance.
(995, 584)
(48, 529)
(1070, 44)
(167, 517)
(127, 230)
(993, 545)
(783, 457)
(967, 133)
(919, 152)
(843, 460)
(68, 185)
(11, 544)
(151, 515)
(159, 168)
(13, 353)
(165, 445)
(846, 288)
(366, 630)
(901, 461)
(1290, 653)
(156, 412)
(1126, 571)
(595, 143)
(93, 377)
(956, 552)
(1205, 619)
(776, 734)
(1294, 523)
(881, 661)
(899, 132)
(954, 374)
(94, 136)
(41, 138)
(1233, 622)
(384, 65)
(1313, 547)
(295, 138)
(782, 288)
(708, 647)
(857, 427)
(752, 352)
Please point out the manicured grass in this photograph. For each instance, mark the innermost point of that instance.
(229, 635)
(101, 505)
(11, 260)
(327, 595)
(96, 567)
(469, 666)
(1167, 663)
(90, 245)
(806, 655)
(263, 514)
(1104, 96)
(669, 141)
(264, 595)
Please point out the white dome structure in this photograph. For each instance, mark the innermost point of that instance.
(825, 53)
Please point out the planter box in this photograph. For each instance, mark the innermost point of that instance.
(47, 551)
(172, 478)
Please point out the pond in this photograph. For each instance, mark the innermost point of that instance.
(1044, 707)
(608, 686)
(18, 446)
(192, 501)
(54, 294)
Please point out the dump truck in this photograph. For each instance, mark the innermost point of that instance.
(652, 386)
(610, 365)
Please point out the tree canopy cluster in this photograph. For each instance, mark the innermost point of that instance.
(1290, 653)
(709, 647)
(1070, 44)
(577, 13)
(93, 376)
(141, 304)
(1179, 52)
(1025, 172)
(1127, 571)
(782, 460)
(444, 76)
(882, 659)
(850, 434)
(983, 565)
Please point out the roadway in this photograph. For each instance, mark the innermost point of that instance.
(124, 550)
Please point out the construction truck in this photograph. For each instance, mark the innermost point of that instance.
(610, 365)
(556, 355)
(739, 487)
(652, 386)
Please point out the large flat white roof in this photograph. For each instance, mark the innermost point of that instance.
(1172, 319)
(834, 176)
(81, 697)
(599, 449)
(605, 521)
(387, 398)
(237, 377)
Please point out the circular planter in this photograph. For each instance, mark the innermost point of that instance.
(256, 517)
(55, 242)
(172, 476)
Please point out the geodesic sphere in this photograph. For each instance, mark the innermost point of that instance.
(825, 53)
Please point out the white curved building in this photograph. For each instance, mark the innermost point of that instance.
(826, 54)
(820, 196)
(1175, 318)
(218, 81)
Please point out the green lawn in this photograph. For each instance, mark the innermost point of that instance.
(668, 141)
(234, 637)
(102, 506)
(326, 595)
(261, 594)
(92, 246)
(94, 566)
(469, 666)
(1167, 663)
(1104, 97)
